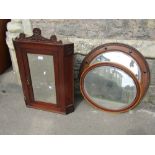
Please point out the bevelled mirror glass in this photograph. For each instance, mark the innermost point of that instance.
(121, 58)
(110, 87)
(42, 76)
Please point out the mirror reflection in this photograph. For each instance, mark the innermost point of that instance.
(42, 76)
(110, 87)
(121, 58)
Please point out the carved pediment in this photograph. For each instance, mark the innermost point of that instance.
(37, 37)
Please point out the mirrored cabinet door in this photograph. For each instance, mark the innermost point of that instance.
(42, 77)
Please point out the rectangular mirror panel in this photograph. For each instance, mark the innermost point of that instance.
(42, 76)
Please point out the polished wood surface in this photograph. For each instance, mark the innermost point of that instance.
(63, 67)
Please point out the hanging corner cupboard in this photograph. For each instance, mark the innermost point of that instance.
(46, 70)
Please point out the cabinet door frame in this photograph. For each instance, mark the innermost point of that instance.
(26, 76)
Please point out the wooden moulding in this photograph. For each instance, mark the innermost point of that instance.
(63, 69)
(121, 67)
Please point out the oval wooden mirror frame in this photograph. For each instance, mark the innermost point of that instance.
(134, 53)
(121, 67)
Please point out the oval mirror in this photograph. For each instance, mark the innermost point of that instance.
(110, 87)
(121, 58)
(124, 55)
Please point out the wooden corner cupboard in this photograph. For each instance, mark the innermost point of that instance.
(46, 70)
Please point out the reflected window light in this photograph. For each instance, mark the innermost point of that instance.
(50, 87)
(40, 57)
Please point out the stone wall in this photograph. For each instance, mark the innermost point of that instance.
(87, 34)
(150, 97)
(120, 29)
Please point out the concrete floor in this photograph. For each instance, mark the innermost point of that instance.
(15, 118)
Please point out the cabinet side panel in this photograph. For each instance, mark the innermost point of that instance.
(69, 77)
